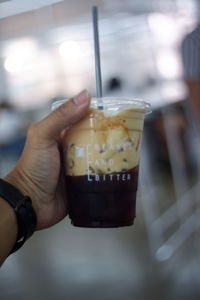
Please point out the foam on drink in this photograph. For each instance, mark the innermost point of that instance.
(103, 143)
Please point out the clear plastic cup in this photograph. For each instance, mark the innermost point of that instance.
(101, 156)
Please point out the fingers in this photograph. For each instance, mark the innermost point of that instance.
(72, 111)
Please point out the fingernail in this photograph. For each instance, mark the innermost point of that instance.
(81, 98)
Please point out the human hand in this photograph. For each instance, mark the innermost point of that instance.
(38, 173)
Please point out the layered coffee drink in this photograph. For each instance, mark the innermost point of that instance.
(101, 155)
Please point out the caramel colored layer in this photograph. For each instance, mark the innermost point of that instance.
(102, 144)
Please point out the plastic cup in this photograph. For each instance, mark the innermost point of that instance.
(101, 161)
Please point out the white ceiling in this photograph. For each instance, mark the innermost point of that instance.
(13, 7)
(19, 17)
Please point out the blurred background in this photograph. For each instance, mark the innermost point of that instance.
(149, 50)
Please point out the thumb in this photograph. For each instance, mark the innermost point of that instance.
(64, 116)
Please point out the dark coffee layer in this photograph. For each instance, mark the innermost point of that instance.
(102, 200)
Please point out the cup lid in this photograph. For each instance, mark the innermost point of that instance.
(113, 104)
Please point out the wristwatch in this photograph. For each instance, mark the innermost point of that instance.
(22, 205)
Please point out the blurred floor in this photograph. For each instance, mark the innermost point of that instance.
(65, 262)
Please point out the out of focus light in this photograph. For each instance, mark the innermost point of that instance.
(13, 63)
(163, 28)
(70, 51)
(19, 55)
(168, 64)
(164, 253)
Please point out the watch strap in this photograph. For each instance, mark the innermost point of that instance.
(22, 205)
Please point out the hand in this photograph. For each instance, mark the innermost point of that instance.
(38, 173)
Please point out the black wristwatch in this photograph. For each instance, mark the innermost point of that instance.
(22, 205)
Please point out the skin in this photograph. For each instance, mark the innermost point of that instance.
(38, 172)
(194, 94)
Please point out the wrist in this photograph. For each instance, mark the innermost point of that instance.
(8, 216)
(23, 210)
(8, 229)
(18, 180)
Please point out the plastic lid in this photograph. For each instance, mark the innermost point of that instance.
(113, 104)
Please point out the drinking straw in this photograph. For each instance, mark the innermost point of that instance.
(97, 55)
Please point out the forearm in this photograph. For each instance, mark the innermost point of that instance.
(8, 229)
(194, 95)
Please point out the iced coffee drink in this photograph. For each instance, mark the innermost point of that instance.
(101, 155)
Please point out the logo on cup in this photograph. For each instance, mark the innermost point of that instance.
(79, 152)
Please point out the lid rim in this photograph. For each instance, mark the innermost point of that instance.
(109, 101)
